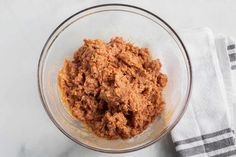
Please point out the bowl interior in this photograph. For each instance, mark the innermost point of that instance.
(134, 25)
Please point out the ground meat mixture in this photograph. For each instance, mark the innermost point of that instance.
(114, 88)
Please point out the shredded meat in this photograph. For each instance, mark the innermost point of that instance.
(115, 88)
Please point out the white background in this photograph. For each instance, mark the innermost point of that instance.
(25, 129)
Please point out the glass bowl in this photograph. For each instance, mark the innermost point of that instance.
(138, 26)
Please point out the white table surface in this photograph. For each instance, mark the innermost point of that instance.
(25, 128)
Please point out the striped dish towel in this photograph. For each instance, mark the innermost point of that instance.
(206, 129)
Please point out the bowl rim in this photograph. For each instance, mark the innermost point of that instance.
(164, 132)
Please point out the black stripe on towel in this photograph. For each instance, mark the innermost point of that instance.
(208, 147)
(230, 47)
(233, 67)
(199, 138)
(219, 144)
(232, 57)
(226, 154)
(191, 151)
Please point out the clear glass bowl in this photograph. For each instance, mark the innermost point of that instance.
(136, 25)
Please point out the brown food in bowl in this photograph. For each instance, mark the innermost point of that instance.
(114, 88)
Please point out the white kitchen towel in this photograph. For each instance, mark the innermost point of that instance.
(206, 129)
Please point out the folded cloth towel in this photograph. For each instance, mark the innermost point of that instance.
(206, 128)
